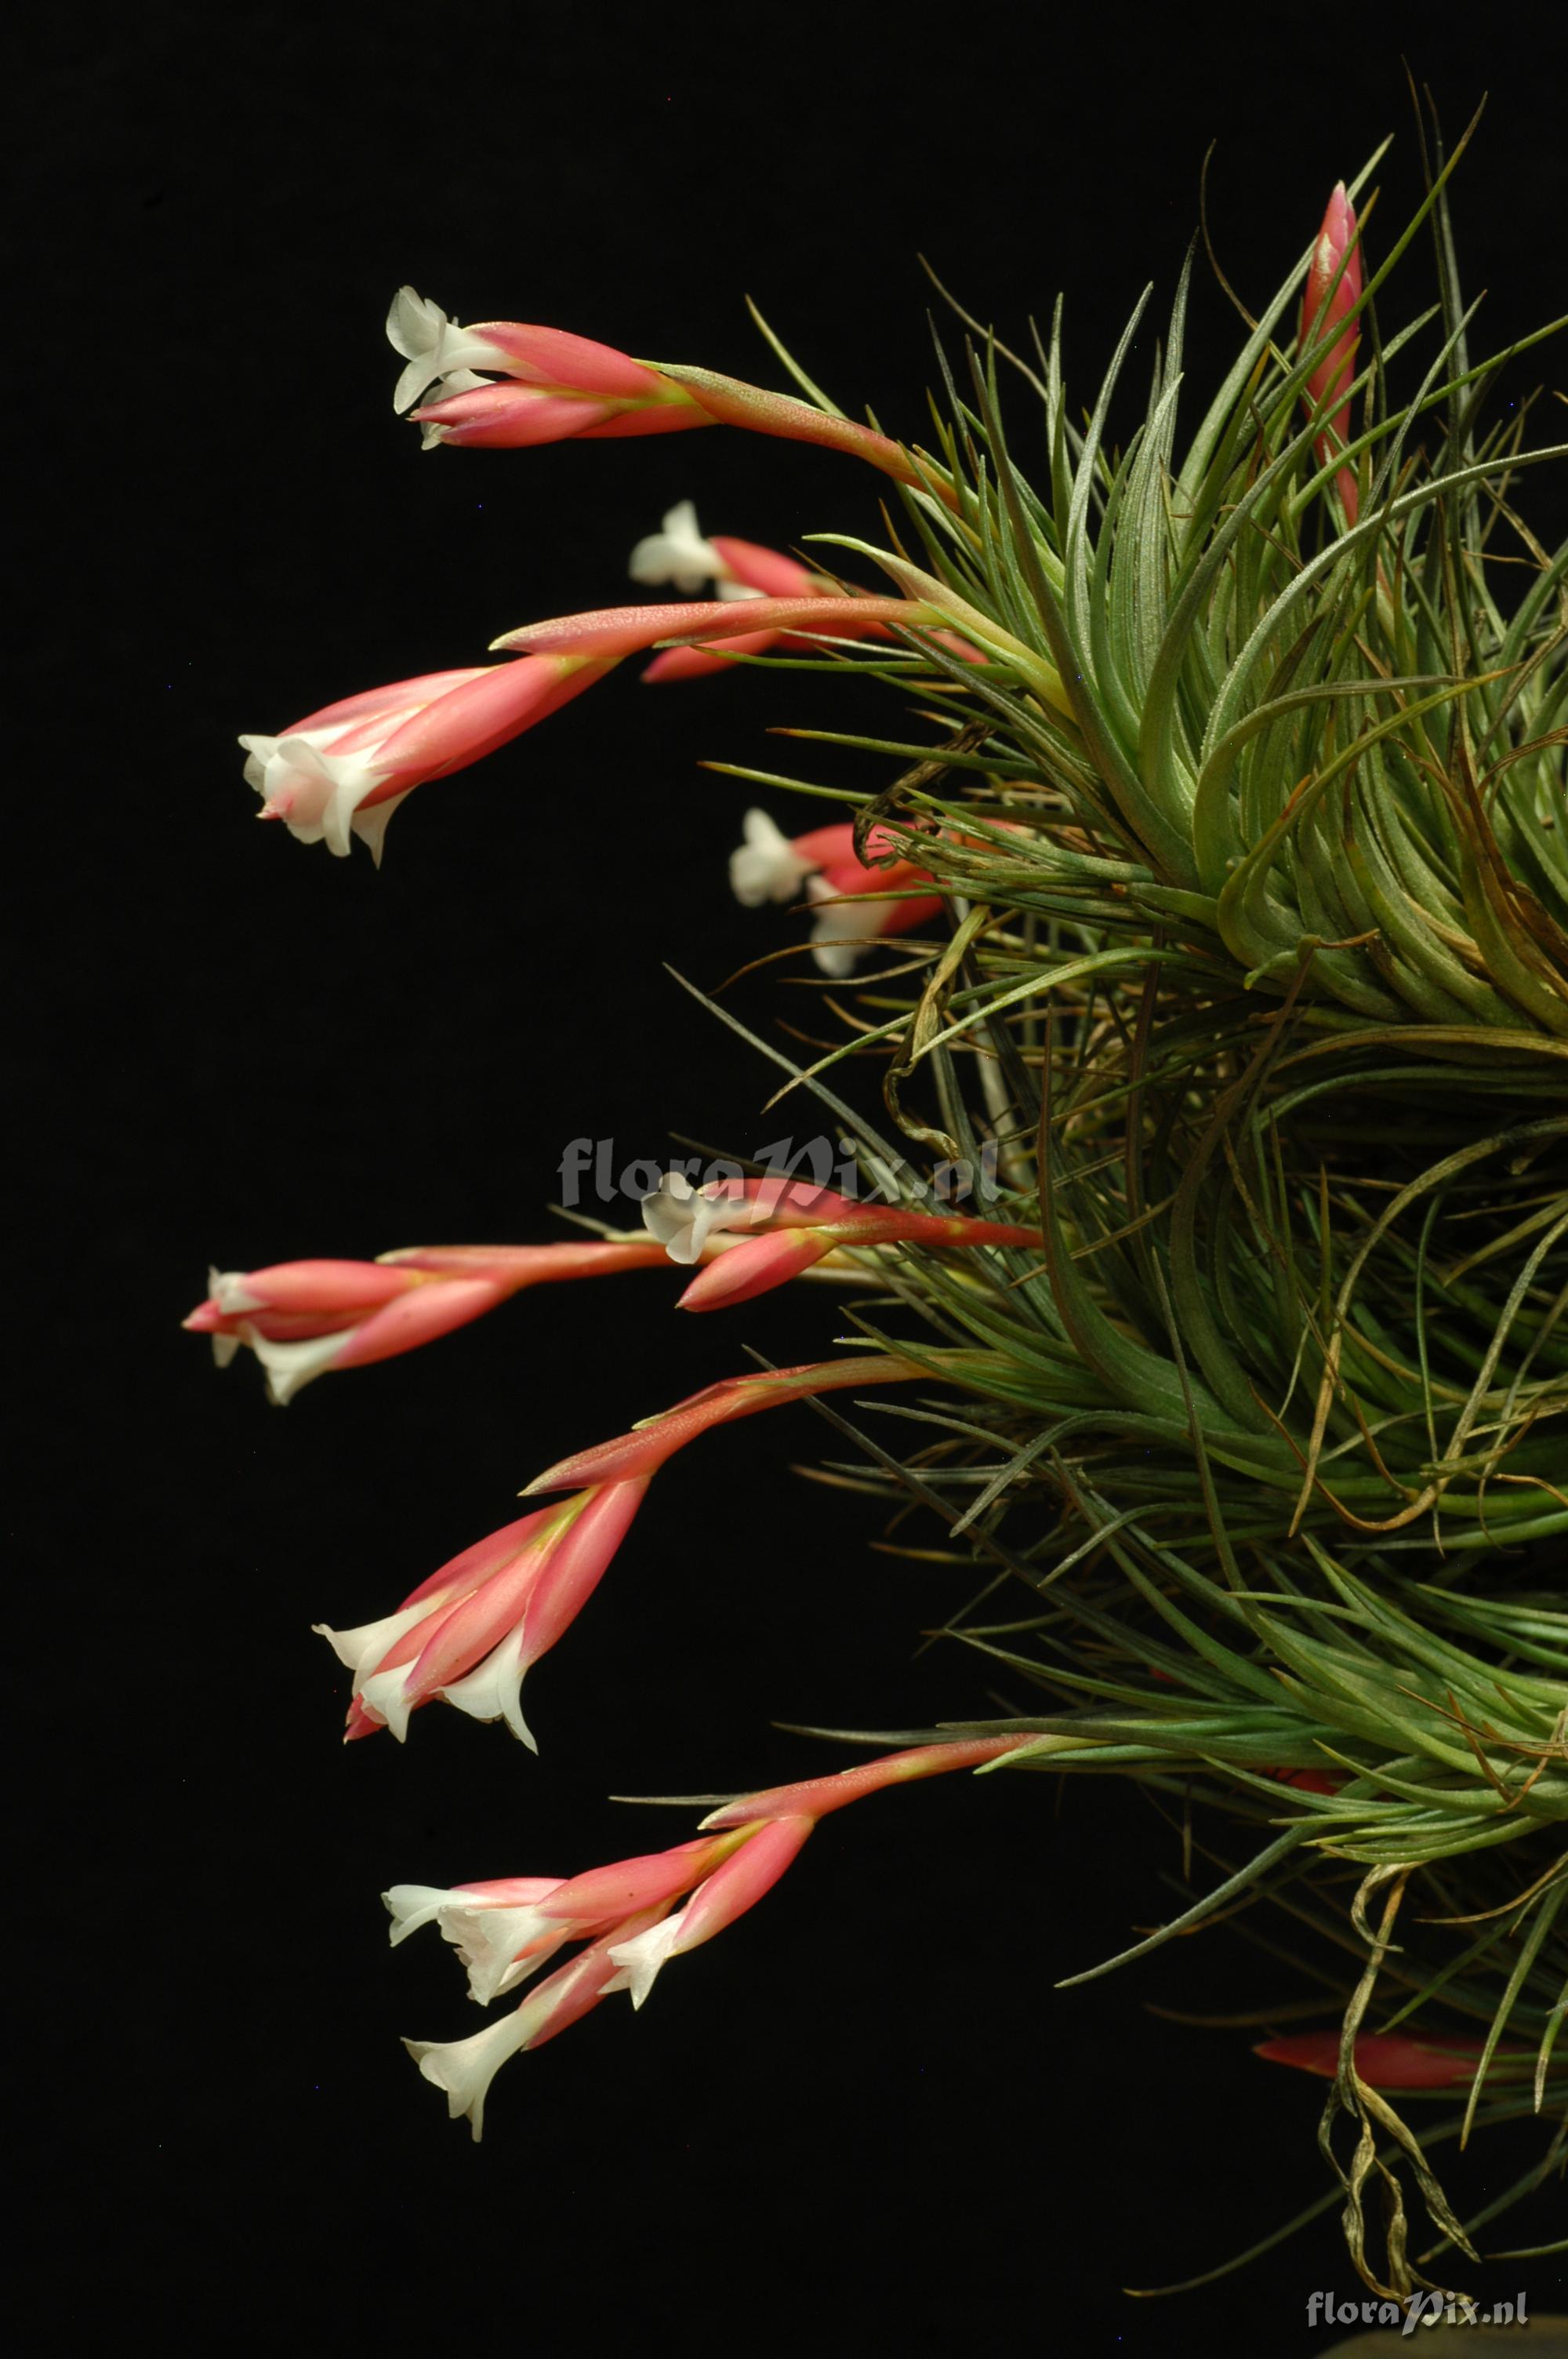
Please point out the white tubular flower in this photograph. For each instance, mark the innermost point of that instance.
(765, 866)
(641, 1958)
(678, 554)
(839, 937)
(489, 1942)
(465, 2067)
(435, 348)
(683, 1217)
(318, 793)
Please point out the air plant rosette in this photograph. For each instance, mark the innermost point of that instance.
(1209, 893)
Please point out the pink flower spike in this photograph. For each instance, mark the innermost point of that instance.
(700, 663)
(755, 1266)
(472, 1631)
(342, 772)
(526, 1266)
(1323, 305)
(815, 1797)
(521, 1624)
(552, 386)
(689, 1222)
(645, 1450)
(552, 357)
(733, 1887)
(601, 1898)
(381, 1653)
(1390, 2059)
(612, 632)
(301, 1318)
(768, 571)
(731, 402)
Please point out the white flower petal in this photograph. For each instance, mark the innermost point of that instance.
(465, 2067)
(492, 1690)
(290, 1367)
(682, 1218)
(412, 1905)
(488, 1941)
(678, 553)
(228, 1289)
(363, 1649)
(370, 825)
(386, 1693)
(838, 938)
(765, 867)
(435, 348)
(641, 1958)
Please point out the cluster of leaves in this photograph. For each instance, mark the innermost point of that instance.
(1254, 830)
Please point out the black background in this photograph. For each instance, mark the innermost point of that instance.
(865, 2118)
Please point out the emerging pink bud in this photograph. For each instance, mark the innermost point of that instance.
(1390, 2059)
(303, 1318)
(1324, 305)
(342, 772)
(473, 1630)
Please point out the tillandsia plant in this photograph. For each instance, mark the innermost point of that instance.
(1212, 1242)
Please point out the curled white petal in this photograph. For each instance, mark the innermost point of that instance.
(732, 589)
(492, 1690)
(465, 2067)
(290, 1367)
(370, 825)
(641, 1958)
(765, 866)
(678, 553)
(435, 348)
(362, 1649)
(488, 1941)
(683, 1217)
(228, 1289)
(409, 1905)
(386, 1696)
